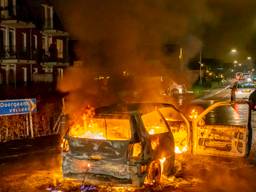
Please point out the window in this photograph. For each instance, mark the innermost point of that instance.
(4, 3)
(35, 41)
(228, 115)
(102, 129)
(11, 41)
(154, 124)
(60, 48)
(24, 41)
(25, 74)
(48, 16)
(1, 40)
(35, 70)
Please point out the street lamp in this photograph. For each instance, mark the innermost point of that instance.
(200, 67)
(233, 51)
(249, 58)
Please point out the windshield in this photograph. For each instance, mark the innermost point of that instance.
(228, 115)
(102, 129)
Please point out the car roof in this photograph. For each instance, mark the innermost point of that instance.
(130, 108)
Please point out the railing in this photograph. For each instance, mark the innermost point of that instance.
(48, 23)
(11, 52)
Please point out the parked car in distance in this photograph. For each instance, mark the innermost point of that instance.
(244, 89)
(123, 143)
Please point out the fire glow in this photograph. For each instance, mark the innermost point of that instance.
(193, 114)
(100, 128)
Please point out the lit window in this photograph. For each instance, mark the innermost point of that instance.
(4, 3)
(35, 41)
(60, 48)
(24, 41)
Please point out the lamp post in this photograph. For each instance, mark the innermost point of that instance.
(200, 67)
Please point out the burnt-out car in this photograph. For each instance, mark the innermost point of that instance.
(122, 143)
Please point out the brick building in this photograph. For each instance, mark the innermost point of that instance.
(34, 47)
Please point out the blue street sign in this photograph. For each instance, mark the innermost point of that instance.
(17, 106)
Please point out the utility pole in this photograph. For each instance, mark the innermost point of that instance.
(200, 67)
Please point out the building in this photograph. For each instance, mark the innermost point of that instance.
(33, 44)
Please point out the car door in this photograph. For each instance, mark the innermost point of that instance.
(179, 126)
(222, 130)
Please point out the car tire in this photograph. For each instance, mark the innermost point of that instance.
(168, 168)
(154, 173)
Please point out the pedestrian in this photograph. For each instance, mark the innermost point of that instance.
(252, 100)
(233, 92)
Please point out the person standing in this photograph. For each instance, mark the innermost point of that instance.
(233, 92)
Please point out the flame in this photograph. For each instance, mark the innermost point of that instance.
(162, 160)
(193, 114)
(180, 150)
(90, 127)
(180, 136)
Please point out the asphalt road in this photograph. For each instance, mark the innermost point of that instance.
(35, 165)
(41, 171)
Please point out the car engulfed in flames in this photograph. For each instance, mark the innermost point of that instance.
(137, 143)
(124, 144)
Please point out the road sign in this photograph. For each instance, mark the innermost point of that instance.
(17, 106)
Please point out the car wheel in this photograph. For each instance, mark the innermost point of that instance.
(168, 168)
(154, 173)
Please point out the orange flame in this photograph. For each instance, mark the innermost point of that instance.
(180, 150)
(193, 114)
(101, 128)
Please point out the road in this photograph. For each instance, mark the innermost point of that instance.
(40, 171)
(36, 166)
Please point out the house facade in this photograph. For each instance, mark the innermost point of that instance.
(33, 45)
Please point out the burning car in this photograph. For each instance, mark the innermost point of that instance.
(126, 143)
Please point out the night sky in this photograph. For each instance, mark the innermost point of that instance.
(216, 25)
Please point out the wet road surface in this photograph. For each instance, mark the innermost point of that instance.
(41, 171)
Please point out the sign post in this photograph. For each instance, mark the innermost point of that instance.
(31, 125)
(17, 106)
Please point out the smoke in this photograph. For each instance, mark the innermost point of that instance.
(142, 38)
(232, 26)
(139, 38)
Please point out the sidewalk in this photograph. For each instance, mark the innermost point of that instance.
(23, 147)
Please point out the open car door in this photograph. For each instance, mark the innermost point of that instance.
(179, 126)
(222, 130)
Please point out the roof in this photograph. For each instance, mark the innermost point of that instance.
(129, 108)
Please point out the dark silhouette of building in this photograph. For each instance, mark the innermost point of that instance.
(34, 47)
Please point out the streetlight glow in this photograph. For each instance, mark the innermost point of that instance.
(249, 58)
(233, 51)
(235, 62)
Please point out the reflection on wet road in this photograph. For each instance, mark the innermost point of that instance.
(42, 172)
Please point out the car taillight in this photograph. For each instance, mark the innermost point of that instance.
(136, 150)
(65, 145)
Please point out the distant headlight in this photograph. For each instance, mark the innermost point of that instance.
(249, 79)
